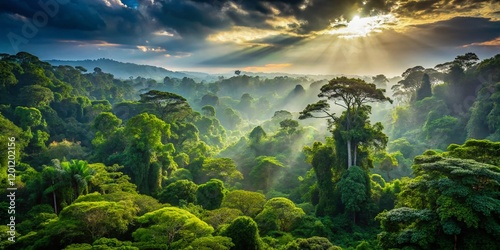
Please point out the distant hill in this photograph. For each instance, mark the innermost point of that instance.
(125, 70)
(311, 76)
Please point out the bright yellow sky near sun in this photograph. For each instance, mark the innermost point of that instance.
(358, 26)
(343, 38)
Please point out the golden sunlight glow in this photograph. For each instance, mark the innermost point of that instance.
(96, 43)
(361, 26)
(272, 67)
(284, 23)
(241, 35)
(407, 21)
(494, 43)
(232, 6)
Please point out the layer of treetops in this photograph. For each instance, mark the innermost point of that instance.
(408, 162)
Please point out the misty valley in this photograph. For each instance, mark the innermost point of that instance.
(99, 154)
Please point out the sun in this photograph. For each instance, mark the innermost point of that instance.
(360, 26)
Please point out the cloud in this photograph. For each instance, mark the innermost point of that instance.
(151, 49)
(260, 32)
(114, 3)
(430, 11)
(241, 35)
(380, 52)
(163, 33)
(93, 19)
(456, 32)
(361, 26)
(128, 21)
(71, 15)
(202, 18)
(493, 43)
(189, 19)
(96, 43)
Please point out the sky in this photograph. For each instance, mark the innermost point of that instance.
(363, 37)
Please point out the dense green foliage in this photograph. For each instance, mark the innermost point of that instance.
(106, 163)
(451, 202)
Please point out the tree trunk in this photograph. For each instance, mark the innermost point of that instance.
(348, 128)
(355, 162)
(455, 243)
(55, 198)
(55, 201)
(75, 190)
(349, 161)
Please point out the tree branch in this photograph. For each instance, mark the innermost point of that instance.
(343, 106)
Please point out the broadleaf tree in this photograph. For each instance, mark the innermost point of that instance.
(352, 95)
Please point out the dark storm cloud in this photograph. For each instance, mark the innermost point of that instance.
(84, 20)
(73, 15)
(189, 19)
(377, 5)
(206, 16)
(191, 22)
(315, 14)
(457, 31)
(417, 8)
(196, 19)
(202, 17)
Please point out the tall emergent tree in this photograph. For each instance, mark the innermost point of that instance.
(145, 150)
(353, 95)
(425, 89)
